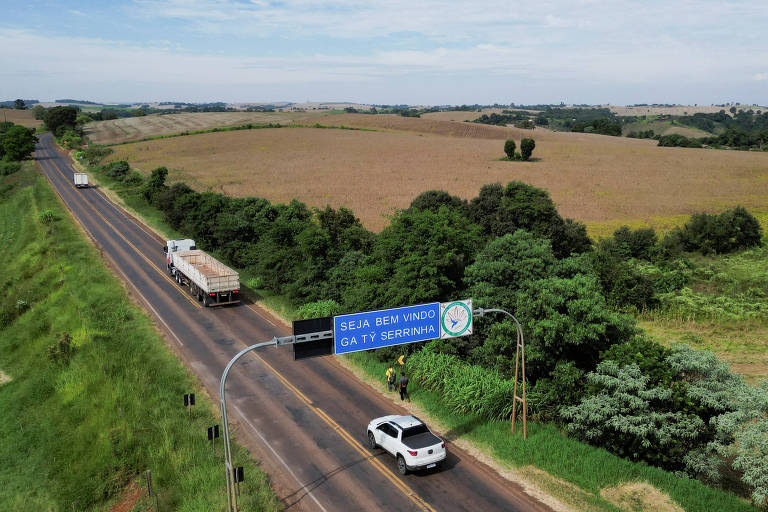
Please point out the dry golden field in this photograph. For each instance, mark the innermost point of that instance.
(600, 180)
(134, 128)
(22, 117)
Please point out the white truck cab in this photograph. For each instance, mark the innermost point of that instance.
(182, 244)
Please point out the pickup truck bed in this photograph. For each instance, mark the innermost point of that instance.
(421, 441)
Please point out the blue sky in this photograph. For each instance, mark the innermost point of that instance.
(398, 51)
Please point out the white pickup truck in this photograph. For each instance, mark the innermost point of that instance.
(409, 440)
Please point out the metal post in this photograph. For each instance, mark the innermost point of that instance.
(520, 351)
(231, 492)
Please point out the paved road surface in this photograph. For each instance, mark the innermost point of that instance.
(303, 420)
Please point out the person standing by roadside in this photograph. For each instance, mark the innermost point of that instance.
(391, 377)
(404, 387)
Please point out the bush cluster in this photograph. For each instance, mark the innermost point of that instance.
(526, 149)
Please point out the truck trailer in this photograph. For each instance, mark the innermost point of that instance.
(209, 280)
(81, 180)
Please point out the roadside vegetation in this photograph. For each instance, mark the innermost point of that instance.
(90, 396)
(594, 375)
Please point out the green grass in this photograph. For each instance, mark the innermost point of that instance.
(77, 429)
(547, 448)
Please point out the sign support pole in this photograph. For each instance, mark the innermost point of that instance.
(519, 368)
(285, 340)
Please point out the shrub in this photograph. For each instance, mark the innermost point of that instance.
(639, 243)
(509, 149)
(526, 148)
(7, 168)
(678, 141)
(117, 170)
(46, 216)
(727, 232)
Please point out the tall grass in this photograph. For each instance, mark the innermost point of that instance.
(465, 388)
(95, 398)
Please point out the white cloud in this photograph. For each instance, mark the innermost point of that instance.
(499, 45)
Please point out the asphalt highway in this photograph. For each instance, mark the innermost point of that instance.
(303, 420)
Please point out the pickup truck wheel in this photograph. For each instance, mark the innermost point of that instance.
(372, 441)
(401, 467)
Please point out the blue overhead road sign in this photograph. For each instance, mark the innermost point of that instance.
(386, 327)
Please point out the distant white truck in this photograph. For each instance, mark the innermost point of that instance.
(209, 280)
(81, 180)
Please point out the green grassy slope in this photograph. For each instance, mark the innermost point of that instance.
(78, 425)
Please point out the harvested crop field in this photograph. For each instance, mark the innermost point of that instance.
(592, 178)
(678, 110)
(22, 117)
(116, 131)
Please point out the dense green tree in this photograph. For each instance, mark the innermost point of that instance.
(567, 319)
(640, 243)
(500, 210)
(155, 184)
(19, 104)
(526, 148)
(433, 199)
(723, 233)
(59, 119)
(39, 112)
(509, 148)
(502, 267)
(17, 143)
(419, 257)
(563, 387)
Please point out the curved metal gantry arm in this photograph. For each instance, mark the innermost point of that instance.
(519, 360)
(231, 497)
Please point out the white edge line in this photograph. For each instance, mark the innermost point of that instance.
(146, 301)
(278, 457)
(260, 315)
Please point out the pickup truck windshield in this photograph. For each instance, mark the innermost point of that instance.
(414, 431)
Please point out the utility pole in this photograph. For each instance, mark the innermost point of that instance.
(519, 368)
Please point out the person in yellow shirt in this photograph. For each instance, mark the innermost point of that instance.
(391, 377)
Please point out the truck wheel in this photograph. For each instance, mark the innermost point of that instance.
(372, 441)
(205, 301)
(401, 467)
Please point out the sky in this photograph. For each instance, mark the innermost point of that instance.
(395, 52)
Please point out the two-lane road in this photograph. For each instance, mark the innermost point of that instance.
(303, 420)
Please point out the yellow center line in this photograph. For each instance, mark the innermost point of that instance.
(402, 486)
(151, 264)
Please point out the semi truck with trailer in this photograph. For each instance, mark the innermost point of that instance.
(209, 280)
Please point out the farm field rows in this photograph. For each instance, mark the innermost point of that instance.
(22, 117)
(596, 179)
(678, 110)
(133, 128)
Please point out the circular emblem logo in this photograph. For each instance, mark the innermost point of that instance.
(456, 318)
